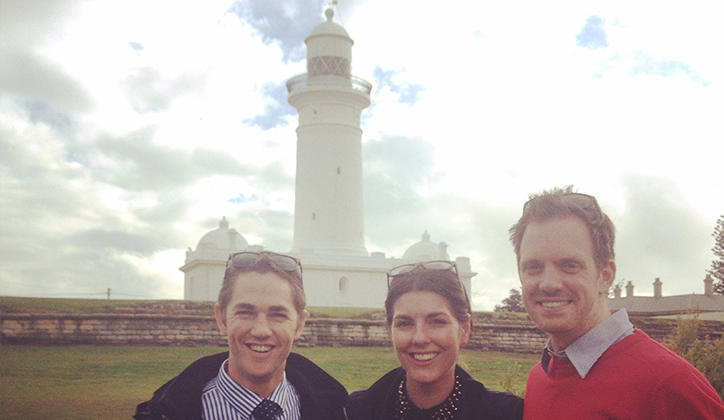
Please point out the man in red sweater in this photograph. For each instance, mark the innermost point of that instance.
(595, 365)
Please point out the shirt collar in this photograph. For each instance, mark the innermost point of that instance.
(234, 393)
(584, 352)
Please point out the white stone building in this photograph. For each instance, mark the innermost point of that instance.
(329, 211)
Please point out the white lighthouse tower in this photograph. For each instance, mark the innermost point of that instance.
(329, 210)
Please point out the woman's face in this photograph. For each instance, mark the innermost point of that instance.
(427, 337)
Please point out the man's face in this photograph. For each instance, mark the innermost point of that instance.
(261, 324)
(563, 291)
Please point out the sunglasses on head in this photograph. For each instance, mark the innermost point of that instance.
(248, 259)
(426, 265)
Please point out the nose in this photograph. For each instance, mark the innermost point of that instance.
(550, 282)
(420, 336)
(261, 328)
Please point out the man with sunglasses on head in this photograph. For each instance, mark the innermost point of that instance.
(261, 312)
(596, 365)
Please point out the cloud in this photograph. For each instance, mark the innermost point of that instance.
(646, 64)
(25, 72)
(136, 163)
(409, 93)
(659, 232)
(35, 79)
(148, 90)
(284, 22)
(396, 168)
(276, 108)
(593, 34)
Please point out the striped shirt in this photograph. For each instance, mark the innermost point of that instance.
(224, 399)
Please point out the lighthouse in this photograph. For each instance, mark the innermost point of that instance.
(329, 236)
(329, 208)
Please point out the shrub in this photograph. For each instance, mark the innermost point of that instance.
(706, 355)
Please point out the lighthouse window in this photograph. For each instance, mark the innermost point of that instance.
(314, 216)
(339, 170)
(328, 65)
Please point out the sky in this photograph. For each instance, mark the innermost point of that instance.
(129, 129)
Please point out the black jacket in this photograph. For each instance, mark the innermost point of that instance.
(379, 401)
(321, 396)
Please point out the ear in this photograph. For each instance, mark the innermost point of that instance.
(220, 319)
(300, 324)
(466, 328)
(607, 275)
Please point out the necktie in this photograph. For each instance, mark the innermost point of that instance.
(266, 410)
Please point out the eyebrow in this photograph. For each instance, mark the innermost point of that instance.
(432, 315)
(240, 306)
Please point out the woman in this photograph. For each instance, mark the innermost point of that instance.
(429, 315)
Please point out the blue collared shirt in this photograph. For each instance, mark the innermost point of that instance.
(224, 399)
(584, 352)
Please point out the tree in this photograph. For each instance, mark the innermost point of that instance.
(513, 303)
(717, 265)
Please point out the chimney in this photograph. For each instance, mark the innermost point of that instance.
(617, 291)
(629, 290)
(657, 288)
(708, 285)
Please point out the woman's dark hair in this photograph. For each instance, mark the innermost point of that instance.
(445, 283)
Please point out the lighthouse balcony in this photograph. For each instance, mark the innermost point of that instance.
(301, 81)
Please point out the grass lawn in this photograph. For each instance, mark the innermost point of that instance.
(87, 382)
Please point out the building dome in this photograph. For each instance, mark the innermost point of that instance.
(425, 250)
(223, 238)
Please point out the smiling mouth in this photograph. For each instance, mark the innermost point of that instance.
(554, 304)
(423, 357)
(259, 348)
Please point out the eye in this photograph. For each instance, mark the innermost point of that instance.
(532, 268)
(439, 320)
(570, 267)
(402, 323)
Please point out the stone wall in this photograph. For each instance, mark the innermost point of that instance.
(491, 331)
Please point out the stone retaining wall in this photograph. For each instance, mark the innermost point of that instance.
(490, 332)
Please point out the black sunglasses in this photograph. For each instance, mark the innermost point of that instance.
(248, 259)
(441, 265)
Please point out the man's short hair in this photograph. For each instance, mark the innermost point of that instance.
(265, 265)
(553, 204)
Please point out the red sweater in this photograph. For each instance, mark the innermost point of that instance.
(636, 378)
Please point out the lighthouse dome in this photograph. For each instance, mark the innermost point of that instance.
(329, 27)
(426, 250)
(223, 238)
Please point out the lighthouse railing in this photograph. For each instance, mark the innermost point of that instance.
(300, 81)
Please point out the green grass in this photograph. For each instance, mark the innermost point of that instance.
(107, 382)
(12, 304)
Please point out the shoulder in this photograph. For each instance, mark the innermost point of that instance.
(321, 396)
(182, 394)
(496, 404)
(369, 403)
(639, 352)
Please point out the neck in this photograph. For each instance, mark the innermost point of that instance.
(262, 386)
(560, 342)
(430, 394)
